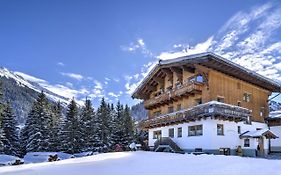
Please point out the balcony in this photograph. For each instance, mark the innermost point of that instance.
(213, 109)
(174, 94)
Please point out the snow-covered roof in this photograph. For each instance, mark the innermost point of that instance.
(275, 114)
(208, 59)
(258, 133)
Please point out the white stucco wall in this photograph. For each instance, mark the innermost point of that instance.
(276, 143)
(210, 139)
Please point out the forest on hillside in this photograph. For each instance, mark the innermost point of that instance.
(48, 129)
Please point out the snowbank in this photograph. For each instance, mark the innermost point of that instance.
(8, 160)
(150, 163)
(38, 157)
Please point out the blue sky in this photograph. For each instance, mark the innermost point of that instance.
(104, 48)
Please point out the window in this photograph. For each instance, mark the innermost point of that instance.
(247, 97)
(198, 78)
(178, 107)
(180, 132)
(157, 134)
(198, 101)
(247, 143)
(238, 103)
(196, 130)
(171, 133)
(262, 112)
(220, 99)
(170, 109)
(157, 113)
(220, 129)
(239, 129)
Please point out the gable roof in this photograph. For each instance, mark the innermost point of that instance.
(259, 133)
(216, 62)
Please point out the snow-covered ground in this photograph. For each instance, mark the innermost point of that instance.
(150, 163)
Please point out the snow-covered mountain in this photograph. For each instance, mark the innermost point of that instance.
(21, 90)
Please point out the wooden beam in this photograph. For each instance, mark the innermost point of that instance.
(178, 72)
(188, 69)
(168, 73)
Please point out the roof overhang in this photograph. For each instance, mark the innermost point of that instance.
(215, 62)
(259, 133)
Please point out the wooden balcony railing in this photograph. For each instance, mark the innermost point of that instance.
(175, 93)
(212, 109)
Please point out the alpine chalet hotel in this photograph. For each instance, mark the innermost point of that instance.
(204, 103)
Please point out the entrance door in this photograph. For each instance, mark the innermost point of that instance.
(260, 147)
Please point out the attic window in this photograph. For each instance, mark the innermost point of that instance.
(197, 78)
(247, 97)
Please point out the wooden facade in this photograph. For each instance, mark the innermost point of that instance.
(186, 83)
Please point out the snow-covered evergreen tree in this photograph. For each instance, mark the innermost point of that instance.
(118, 135)
(55, 141)
(10, 130)
(87, 126)
(128, 125)
(103, 122)
(36, 133)
(71, 135)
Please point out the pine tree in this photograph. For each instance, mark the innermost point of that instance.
(71, 132)
(36, 133)
(54, 141)
(118, 134)
(9, 127)
(128, 125)
(2, 141)
(1, 102)
(103, 122)
(87, 126)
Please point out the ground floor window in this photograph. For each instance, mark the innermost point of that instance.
(239, 129)
(171, 132)
(157, 134)
(180, 132)
(220, 129)
(247, 143)
(196, 130)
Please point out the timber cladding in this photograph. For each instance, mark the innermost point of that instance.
(216, 86)
(233, 91)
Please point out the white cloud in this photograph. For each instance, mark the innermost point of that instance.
(60, 64)
(98, 85)
(247, 38)
(199, 48)
(73, 75)
(138, 45)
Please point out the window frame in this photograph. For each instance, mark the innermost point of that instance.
(247, 97)
(239, 129)
(179, 135)
(247, 145)
(220, 133)
(195, 130)
(171, 132)
(155, 135)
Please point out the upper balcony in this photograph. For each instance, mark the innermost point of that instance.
(172, 94)
(213, 109)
